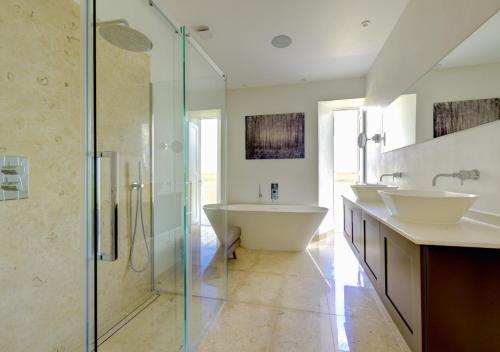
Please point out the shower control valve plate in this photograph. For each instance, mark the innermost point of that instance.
(14, 177)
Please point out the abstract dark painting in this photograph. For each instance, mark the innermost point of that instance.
(456, 116)
(278, 136)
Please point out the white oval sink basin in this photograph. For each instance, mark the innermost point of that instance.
(368, 193)
(427, 207)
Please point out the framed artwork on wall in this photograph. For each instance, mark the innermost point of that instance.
(275, 136)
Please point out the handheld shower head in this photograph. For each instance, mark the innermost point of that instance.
(140, 183)
(139, 218)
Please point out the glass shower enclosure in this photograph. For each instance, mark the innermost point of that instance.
(156, 282)
(103, 248)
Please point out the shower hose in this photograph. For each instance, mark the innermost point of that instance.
(138, 214)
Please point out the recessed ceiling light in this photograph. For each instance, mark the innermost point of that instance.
(201, 28)
(281, 41)
(203, 31)
(366, 23)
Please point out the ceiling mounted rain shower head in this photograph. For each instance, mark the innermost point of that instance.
(120, 34)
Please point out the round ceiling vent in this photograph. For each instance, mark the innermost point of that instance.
(366, 23)
(201, 28)
(281, 41)
(203, 31)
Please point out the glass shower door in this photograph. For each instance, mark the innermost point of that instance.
(139, 196)
(205, 101)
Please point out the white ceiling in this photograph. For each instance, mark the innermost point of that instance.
(328, 40)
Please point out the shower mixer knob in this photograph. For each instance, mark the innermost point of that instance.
(136, 185)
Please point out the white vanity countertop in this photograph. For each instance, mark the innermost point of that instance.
(467, 233)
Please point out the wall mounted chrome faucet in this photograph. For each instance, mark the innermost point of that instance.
(462, 175)
(393, 175)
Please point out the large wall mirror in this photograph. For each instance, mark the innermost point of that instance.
(462, 91)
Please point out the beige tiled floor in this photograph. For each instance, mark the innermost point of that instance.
(318, 300)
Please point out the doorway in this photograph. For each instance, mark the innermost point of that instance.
(205, 167)
(340, 161)
(346, 158)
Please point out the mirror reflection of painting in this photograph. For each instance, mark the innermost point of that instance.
(456, 116)
(277, 136)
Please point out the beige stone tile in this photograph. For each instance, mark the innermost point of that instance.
(328, 240)
(253, 328)
(159, 326)
(109, 346)
(257, 288)
(358, 333)
(209, 282)
(281, 291)
(336, 261)
(41, 259)
(356, 301)
(203, 313)
(302, 332)
(290, 263)
(323, 258)
(240, 327)
(247, 259)
(306, 293)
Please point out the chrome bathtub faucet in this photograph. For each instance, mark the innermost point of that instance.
(462, 175)
(274, 191)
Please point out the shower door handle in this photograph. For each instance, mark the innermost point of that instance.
(114, 175)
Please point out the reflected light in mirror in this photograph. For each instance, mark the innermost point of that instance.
(459, 93)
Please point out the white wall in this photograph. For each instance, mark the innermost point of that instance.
(426, 32)
(297, 178)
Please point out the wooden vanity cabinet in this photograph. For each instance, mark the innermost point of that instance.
(392, 264)
(441, 298)
(461, 299)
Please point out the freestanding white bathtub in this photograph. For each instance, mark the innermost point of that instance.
(268, 227)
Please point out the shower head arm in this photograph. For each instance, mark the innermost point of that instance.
(118, 21)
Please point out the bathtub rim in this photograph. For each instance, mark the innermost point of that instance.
(267, 208)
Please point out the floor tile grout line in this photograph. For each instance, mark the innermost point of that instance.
(231, 301)
(329, 279)
(283, 274)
